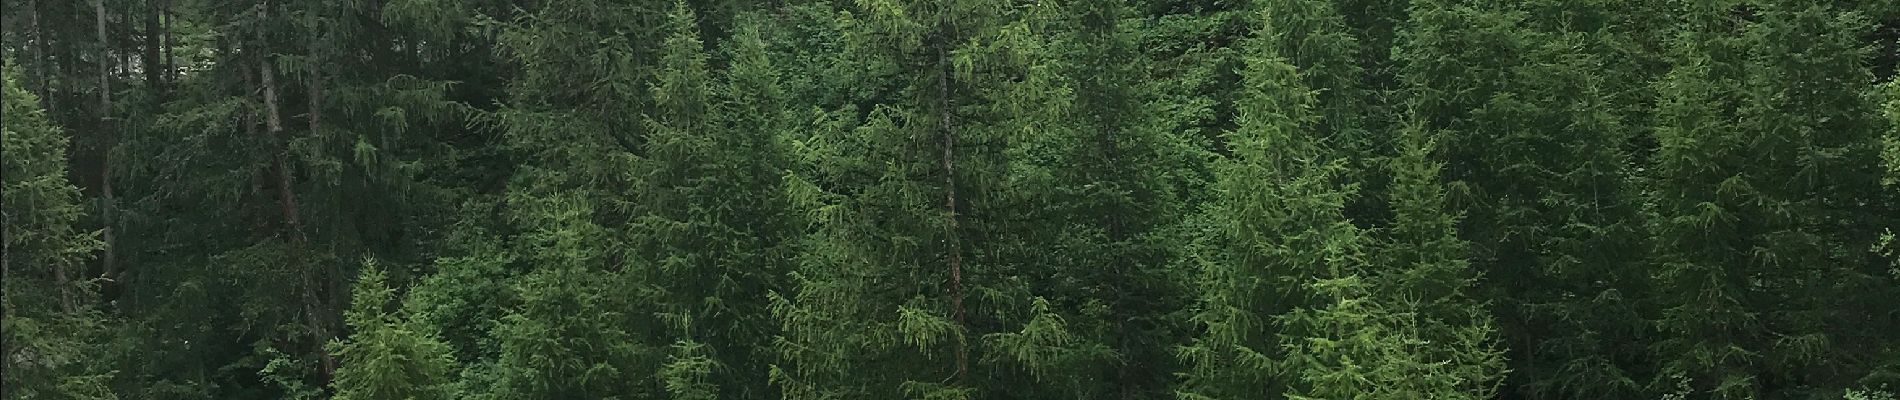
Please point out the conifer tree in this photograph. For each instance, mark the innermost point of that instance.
(1103, 193)
(54, 333)
(1537, 148)
(1764, 176)
(583, 318)
(387, 355)
(1195, 46)
(1277, 232)
(902, 276)
(1315, 39)
(1425, 278)
(712, 213)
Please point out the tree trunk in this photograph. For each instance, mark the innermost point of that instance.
(154, 73)
(39, 56)
(950, 202)
(165, 34)
(274, 123)
(314, 311)
(110, 259)
(325, 282)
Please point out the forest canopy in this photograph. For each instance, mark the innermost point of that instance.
(950, 199)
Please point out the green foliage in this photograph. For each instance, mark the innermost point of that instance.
(1763, 170)
(55, 333)
(908, 200)
(712, 223)
(1536, 153)
(1278, 227)
(949, 199)
(387, 356)
(567, 339)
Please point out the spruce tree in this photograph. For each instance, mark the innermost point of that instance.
(712, 219)
(387, 355)
(1276, 231)
(1425, 277)
(1536, 147)
(585, 317)
(1102, 195)
(55, 332)
(1314, 37)
(1764, 178)
(903, 274)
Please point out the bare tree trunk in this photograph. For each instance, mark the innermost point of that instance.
(110, 260)
(950, 203)
(165, 35)
(314, 311)
(39, 55)
(274, 122)
(154, 73)
(321, 317)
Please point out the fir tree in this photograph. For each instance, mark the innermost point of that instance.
(387, 356)
(902, 274)
(55, 334)
(1763, 179)
(712, 220)
(1277, 228)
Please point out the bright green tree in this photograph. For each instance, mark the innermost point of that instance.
(1276, 229)
(54, 330)
(387, 355)
(1423, 275)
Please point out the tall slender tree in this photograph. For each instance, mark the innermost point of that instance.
(54, 332)
(1764, 176)
(902, 275)
(1277, 231)
(1102, 195)
(1424, 276)
(713, 220)
(1536, 147)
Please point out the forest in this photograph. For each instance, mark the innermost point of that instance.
(950, 199)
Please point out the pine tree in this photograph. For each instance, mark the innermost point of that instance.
(1537, 148)
(1278, 232)
(903, 274)
(55, 334)
(1763, 181)
(387, 355)
(712, 217)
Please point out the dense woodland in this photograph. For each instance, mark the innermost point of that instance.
(951, 199)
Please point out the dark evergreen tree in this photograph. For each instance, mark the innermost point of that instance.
(904, 276)
(1105, 191)
(712, 218)
(1764, 179)
(1536, 147)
